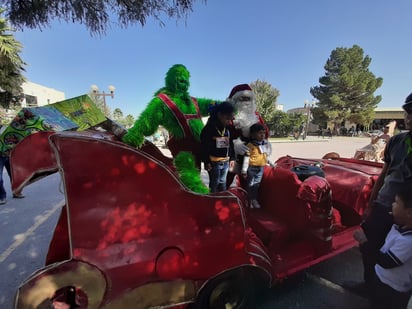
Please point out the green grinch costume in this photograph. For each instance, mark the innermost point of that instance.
(178, 112)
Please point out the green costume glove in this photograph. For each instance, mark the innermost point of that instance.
(133, 139)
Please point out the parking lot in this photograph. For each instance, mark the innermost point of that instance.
(316, 147)
(313, 146)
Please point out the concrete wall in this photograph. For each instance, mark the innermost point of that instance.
(38, 95)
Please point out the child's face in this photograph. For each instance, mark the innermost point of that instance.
(259, 135)
(401, 214)
(225, 119)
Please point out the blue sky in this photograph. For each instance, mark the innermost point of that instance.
(227, 42)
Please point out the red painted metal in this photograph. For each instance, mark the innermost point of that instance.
(130, 217)
(34, 159)
(131, 225)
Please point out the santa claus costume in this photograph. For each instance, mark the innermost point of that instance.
(244, 100)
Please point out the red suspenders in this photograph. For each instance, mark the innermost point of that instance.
(182, 119)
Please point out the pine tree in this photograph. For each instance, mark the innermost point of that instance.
(346, 91)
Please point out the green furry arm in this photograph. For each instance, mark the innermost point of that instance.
(204, 105)
(146, 125)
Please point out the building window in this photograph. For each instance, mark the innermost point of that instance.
(31, 101)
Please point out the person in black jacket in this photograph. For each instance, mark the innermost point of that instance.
(217, 146)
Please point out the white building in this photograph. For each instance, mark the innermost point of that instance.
(38, 95)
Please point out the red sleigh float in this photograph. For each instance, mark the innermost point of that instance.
(132, 236)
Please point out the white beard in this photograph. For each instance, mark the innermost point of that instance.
(244, 120)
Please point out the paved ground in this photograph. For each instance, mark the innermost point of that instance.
(314, 147)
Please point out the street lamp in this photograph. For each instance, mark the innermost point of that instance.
(308, 107)
(96, 93)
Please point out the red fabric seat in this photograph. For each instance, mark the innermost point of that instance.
(279, 197)
(270, 230)
(283, 214)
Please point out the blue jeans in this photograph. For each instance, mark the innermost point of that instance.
(217, 176)
(254, 177)
(4, 163)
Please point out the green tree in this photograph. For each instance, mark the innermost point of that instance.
(284, 124)
(118, 115)
(11, 66)
(319, 117)
(346, 91)
(280, 126)
(296, 120)
(95, 15)
(129, 121)
(266, 96)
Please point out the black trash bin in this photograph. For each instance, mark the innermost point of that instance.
(304, 171)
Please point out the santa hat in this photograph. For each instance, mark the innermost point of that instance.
(239, 91)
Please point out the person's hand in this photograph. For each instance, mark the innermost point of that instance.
(240, 147)
(208, 167)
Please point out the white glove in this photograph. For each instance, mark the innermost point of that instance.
(245, 165)
(271, 163)
(240, 147)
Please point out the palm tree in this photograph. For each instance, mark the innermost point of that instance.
(11, 65)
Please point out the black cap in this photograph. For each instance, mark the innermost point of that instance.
(223, 108)
(408, 104)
